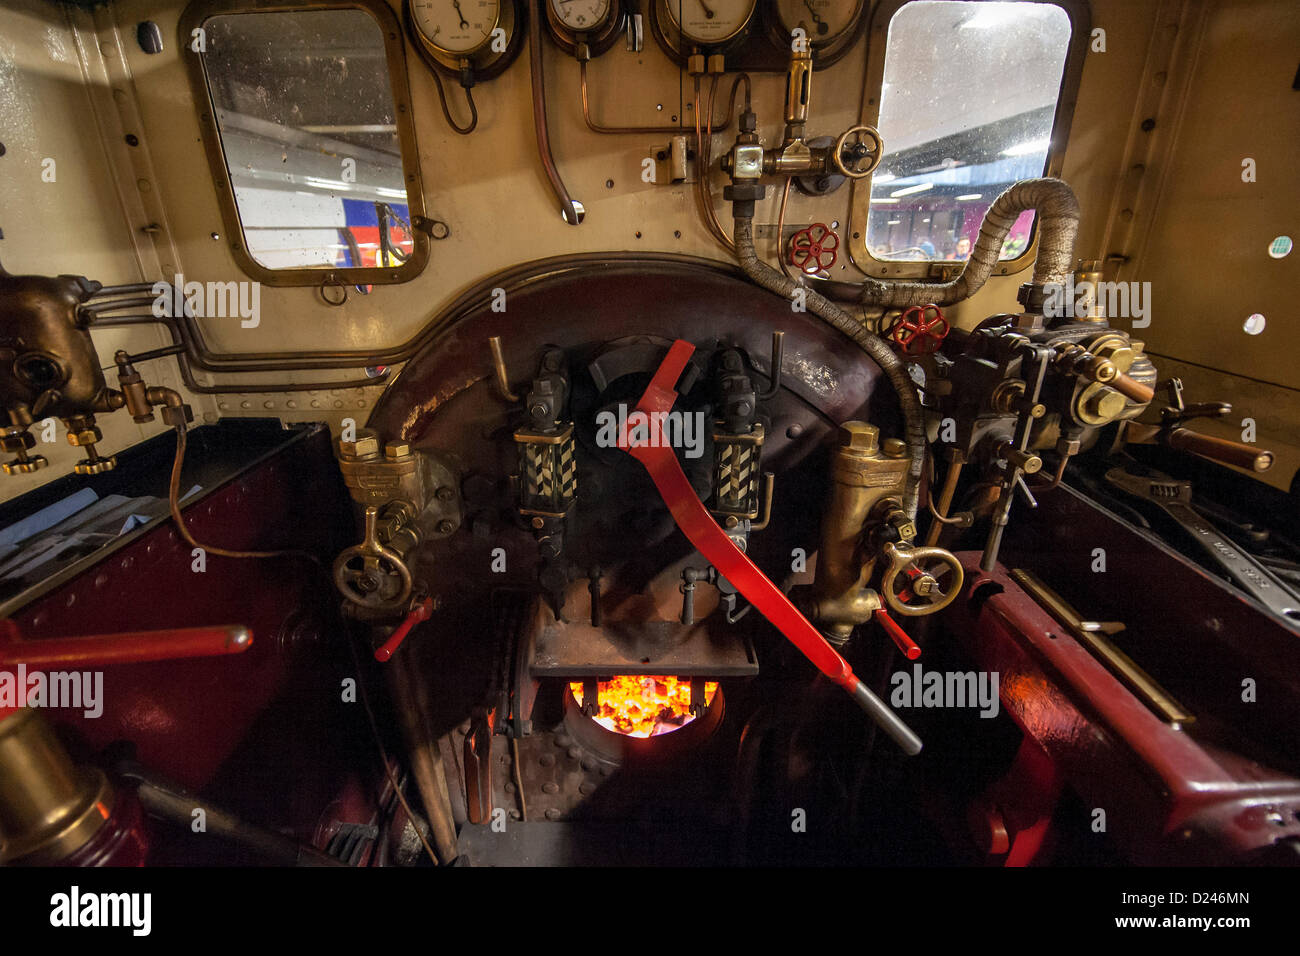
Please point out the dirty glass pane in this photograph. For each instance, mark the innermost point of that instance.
(305, 112)
(966, 110)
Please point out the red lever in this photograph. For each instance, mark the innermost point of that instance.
(899, 636)
(712, 542)
(421, 612)
(132, 647)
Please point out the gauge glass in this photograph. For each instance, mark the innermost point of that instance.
(456, 26)
(821, 20)
(581, 16)
(708, 22)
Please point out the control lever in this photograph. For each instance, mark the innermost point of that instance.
(1171, 433)
(712, 542)
(1175, 499)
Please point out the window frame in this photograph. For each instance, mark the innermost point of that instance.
(860, 198)
(390, 29)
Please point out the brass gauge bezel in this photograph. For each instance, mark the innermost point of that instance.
(679, 47)
(483, 62)
(824, 53)
(598, 41)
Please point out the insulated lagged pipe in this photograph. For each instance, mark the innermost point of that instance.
(1058, 226)
(876, 347)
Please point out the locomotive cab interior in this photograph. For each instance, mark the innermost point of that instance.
(755, 433)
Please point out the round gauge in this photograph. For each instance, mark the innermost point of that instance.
(823, 21)
(582, 16)
(456, 27)
(708, 22)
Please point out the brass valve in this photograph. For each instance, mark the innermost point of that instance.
(374, 574)
(933, 574)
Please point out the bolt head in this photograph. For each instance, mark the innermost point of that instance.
(859, 436)
(895, 447)
(397, 449)
(84, 436)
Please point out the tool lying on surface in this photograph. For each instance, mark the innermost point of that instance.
(705, 534)
(1174, 497)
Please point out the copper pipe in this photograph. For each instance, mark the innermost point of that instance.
(608, 130)
(571, 210)
(186, 331)
(940, 510)
(499, 369)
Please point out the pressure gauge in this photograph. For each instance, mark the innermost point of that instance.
(823, 21)
(828, 26)
(581, 16)
(456, 28)
(701, 23)
(595, 23)
(455, 36)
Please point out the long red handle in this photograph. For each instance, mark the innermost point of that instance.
(129, 647)
(711, 541)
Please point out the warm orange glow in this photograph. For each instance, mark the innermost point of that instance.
(645, 706)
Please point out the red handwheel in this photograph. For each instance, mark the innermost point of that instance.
(814, 249)
(920, 330)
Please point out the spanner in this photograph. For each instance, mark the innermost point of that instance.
(1175, 499)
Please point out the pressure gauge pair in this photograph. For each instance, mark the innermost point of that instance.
(709, 26)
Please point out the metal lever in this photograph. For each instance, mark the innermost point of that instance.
(713, 543)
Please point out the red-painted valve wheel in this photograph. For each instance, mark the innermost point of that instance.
(920, 330)
(814, 249)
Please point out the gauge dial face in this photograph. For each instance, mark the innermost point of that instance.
(458, 27)
(582, 16)
(822, 20)
(709, 22)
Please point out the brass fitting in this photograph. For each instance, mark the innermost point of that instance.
(379, 472)
(863, 478)
(49, 807)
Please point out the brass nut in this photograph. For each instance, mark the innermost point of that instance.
(85, 436)
(1102, 405)
(97, 467)
(859, 436)
(895, 447)
(364, 445)
(18, 441)
(397, 449)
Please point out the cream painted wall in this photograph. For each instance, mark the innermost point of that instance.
(490, 188)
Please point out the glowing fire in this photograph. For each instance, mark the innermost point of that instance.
(645, 706)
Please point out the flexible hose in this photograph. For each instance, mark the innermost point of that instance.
(1058, 225)
(876, 347)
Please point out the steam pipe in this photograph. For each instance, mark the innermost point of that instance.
(1058, 225)
(873, 345)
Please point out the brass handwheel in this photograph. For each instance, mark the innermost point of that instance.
(934, 576)
(858, 152)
